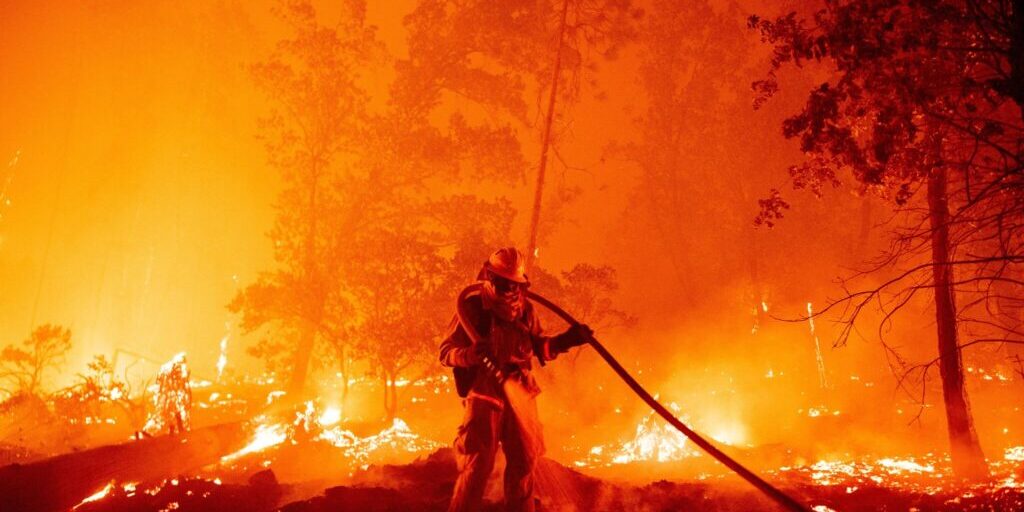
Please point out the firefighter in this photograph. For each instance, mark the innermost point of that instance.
(511, 337)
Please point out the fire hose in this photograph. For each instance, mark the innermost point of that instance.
(782, 499)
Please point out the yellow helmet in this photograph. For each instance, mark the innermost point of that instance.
(508, 263)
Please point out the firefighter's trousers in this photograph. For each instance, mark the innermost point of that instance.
(487, 422)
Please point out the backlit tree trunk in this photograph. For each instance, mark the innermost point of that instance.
(538, 194)
(307, 338)
(968, 459)
(303, 354)
(343, 357)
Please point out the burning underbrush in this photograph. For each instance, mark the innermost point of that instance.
(306, 458)
(425, 484)
(247, 445)
(316, 444)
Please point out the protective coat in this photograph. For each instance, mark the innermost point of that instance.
(488, 419)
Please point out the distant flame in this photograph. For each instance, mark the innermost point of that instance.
(330, 416)
(819, 360)
(222, 360)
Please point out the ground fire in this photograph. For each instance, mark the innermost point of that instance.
(481, 255)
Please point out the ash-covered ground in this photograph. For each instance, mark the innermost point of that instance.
(427, 483)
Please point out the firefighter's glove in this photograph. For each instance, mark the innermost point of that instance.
(482, 350)
(575, 336)
(512, 370)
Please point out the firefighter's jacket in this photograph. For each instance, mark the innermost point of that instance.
(513, 346)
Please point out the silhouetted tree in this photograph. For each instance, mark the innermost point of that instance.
(584, 27)
(24, 368)
(313, 81)
(694, 151)
(490, 55)
(100, 387)
(396, 285)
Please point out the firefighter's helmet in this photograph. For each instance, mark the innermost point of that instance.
(508, 263)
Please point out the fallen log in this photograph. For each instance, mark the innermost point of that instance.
(61, 482)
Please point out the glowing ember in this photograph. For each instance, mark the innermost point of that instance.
(274, 395)
(819, 411)
(397, 437)
(1015, 453)
(929, 474)
(172, 400)
(896, 466)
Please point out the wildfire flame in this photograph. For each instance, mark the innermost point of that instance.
(928, 474)
(330, 416)
(398, 437)
(99, 495)
(819, 360)
(324, 426)
(222, 360)
(652, 441)
(265, 437)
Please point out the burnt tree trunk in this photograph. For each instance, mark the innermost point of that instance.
(300, 366)
(312, 311)
(968, 459)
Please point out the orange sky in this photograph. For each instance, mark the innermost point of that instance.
(141, 197)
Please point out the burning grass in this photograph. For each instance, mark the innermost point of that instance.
(314, 455)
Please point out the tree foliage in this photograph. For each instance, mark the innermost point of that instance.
(923, 108)
(318, 119)
(382, 220)
(919, 86)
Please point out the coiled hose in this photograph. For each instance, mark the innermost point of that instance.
(784, 500)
